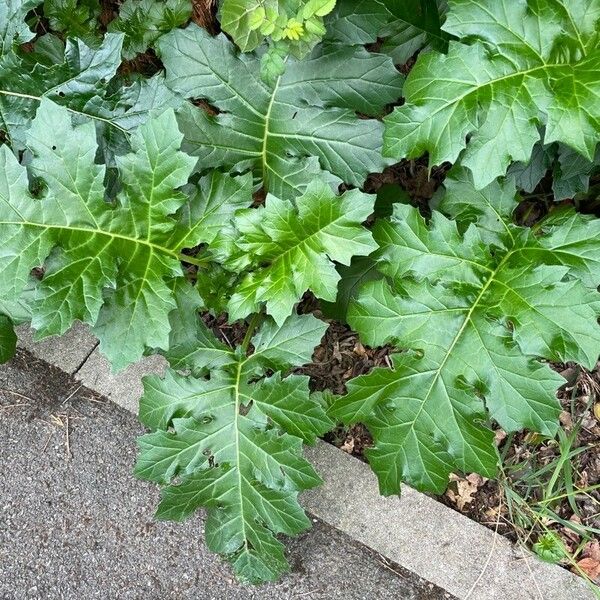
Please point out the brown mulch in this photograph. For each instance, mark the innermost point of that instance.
(205, 15)
(416, 177)
(341, 357)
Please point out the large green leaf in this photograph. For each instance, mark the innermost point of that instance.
(8, 339)
(104, 263)
(473, 312)
(234, 443)
(13, 29)
(76, 82)
(406, 25)
(289, 249)
(305, 124)
(569, 239)
(529, 63)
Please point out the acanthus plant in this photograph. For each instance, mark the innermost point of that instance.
(141, 205)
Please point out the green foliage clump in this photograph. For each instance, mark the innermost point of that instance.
(156, 179)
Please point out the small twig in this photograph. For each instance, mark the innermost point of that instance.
(526, 559)
(68, 446)
(226, 338)
(90, 399)
(14, 405)
(388, 565)
(46, 444)
(72, 394)
(22, 396)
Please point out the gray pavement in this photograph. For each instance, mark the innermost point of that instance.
(75, 524)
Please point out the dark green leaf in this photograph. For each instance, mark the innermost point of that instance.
(144, 21)
(304, 125)
(78, 18)
(8, 339)
(235, 445)
(474, 319)
(406, 25)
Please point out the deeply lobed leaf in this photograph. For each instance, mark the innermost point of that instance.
(13, 29)
(81, 78)
(144, 21)
(234, 441)
(474, 312)
(406, 26)
(288, 134)
(106, 264)
(289, 249)
(521, 64)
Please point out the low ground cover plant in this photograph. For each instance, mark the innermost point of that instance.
(165, 164)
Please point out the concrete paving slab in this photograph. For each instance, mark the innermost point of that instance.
(67, 352)
(76, 525)
(124, 388)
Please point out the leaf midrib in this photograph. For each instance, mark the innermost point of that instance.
(237, 400)
(457, 337)
(265, 141)
(141, 242)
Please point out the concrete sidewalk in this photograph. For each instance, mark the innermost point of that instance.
(75, 524)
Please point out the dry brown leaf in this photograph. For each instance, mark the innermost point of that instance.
(591, 567)
(360, 350)
(464, 489)
(336, 352)
(592, 550)
(348, 445)
(499, 436)
(569, 536)
(566, 419)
